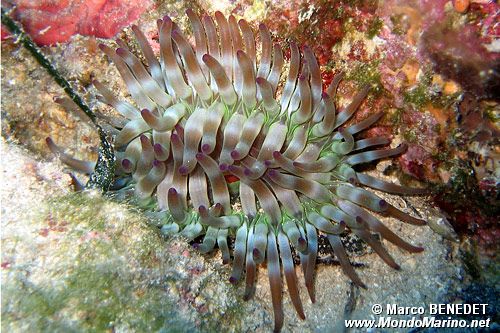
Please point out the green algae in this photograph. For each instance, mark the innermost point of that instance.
(423, 94)
(368, 74)
(103, 268)
(410, 135)
(492, 114)
(90, 283)
(420, 95)
(396, 116)
(446, 101)
(339, 13)
(374, 28)
(399, 25)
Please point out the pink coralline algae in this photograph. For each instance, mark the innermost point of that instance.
(55, 21)
(418, 162)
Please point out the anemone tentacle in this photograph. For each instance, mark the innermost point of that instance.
(217, 111)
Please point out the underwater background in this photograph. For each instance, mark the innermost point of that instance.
(86, 262)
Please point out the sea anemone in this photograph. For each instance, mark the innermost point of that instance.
(230, 147)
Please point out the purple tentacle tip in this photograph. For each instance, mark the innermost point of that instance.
(183, 170)
(120, 51)
(256, 253)
(126, 164)
(235, 155)
(205, 148)
(272, 173)
(158, 148)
